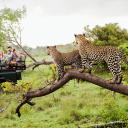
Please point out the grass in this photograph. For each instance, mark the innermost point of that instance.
(75, 104)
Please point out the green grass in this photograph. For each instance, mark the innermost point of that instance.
(75, 104)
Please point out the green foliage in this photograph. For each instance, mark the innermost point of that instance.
(71, 106)
(71, 111)
(124, 48)
(53, 76)
(10, 28)
(8, 14)
(101, 67)
(125, 77)
(108, 35)
(111, 111)
(22, 86)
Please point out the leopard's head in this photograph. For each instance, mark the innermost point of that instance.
(78, 38)
(50, 49)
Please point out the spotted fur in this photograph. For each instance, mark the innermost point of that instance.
(64, 59)
(111, 55)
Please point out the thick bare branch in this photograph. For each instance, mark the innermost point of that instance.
(70, 74)
(39, 63)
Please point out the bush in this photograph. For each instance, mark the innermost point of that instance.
(111, 111)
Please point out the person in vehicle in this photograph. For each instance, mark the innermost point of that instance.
(9, 53)
(9, 50)
(15, 57)
(2, 58)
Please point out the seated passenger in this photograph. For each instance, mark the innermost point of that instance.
(9, 53)
(2, 58)
(15, 57)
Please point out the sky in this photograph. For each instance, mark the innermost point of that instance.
(53, 22)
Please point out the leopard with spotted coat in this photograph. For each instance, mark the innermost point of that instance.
(111, 55)
(64, 59)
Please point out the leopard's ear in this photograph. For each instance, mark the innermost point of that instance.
(75, 35)
(47, 46)
(84, 34)
(55, 46)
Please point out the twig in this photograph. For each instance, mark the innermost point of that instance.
(105, 125)
(104, 96)
(74, 82)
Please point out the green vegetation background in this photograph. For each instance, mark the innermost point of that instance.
(75, 104)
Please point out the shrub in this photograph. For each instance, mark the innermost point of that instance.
(111, 111)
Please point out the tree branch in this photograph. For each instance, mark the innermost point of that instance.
(36, 64)
(70, 74)
(12, 38)
(105, 125)
(16, 41)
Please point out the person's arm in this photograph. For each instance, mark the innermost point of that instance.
(9, 55)
(17, 54)
(22, 53)
(6, 55)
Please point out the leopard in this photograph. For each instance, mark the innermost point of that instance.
(64, 59)
(111, 55)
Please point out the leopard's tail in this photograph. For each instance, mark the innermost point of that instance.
(123, 58)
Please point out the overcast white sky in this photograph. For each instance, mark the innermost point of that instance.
(52, 22)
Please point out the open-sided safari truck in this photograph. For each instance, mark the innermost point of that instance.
(12, 73)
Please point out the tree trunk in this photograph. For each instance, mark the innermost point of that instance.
(70, 74)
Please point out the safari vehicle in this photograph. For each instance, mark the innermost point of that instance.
(12, 73)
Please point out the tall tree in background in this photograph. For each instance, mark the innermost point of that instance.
(109, 35)
(10, 30)
(10, 25)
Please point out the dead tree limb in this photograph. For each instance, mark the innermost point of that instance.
(12, 38)
(36, 64)
(70, 74)
(16, 41)
(110, 124)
